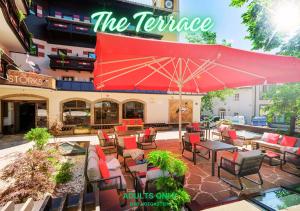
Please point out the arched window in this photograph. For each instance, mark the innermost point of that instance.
(76, 112)
(106, 112)
(133, 110)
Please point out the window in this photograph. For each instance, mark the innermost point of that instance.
(236, 97)
(62, 52)
(106, 112)
(68, 78)
(92, 55)
(222, 113)
(132, 110)
(76, 112)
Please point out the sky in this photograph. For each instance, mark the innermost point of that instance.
(227, 20)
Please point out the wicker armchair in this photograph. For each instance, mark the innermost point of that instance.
(194, 148)
(106, 141)
(290, 158)
(248, 163)
(147, 139)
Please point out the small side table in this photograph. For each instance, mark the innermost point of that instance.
(273, 156)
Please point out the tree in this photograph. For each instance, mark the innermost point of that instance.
(209, 37)
(284, 101)
(263, 34)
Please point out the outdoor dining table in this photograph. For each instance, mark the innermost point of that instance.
(214, 147)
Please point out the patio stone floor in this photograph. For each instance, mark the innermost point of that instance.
(207, 189)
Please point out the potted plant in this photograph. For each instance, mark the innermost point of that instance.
(173, 168)
(40, 137)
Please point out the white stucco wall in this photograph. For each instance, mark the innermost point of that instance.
(156, 111)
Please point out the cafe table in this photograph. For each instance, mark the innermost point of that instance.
(214, 147)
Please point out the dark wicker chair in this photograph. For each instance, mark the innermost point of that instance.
(147, 140)
(107, 143)
(195, 149)
(248, 166)
(293, 159)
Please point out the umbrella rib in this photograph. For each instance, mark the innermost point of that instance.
(162, 66)
(196, 72)
(125, 68)
(198, 90)
(126, 60)
(129, 71)
(173, 74)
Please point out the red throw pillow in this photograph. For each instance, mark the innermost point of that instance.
(235, 156)
(272, 138)
(232, 134)
(100, 153)
(104, 170)
(130, 143)
(105, 136)
(195, 125)
(288, 141)
(121, 128)
(132, 121)
(147, 133)
(194, 139)
(139, 121)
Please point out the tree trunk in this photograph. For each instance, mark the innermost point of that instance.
(292, 125)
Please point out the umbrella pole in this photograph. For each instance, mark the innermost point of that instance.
(179, 113)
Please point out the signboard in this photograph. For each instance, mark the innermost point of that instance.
(186, 111)
(29, 79)
(147, 22)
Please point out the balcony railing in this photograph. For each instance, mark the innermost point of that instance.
(10, 12)
(83, 28)
(158, 4)
(71, 63)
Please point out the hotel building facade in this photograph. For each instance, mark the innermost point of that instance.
(60, 39)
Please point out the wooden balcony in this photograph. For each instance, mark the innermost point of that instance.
(86, 29)
(10, 12)
(71, 63)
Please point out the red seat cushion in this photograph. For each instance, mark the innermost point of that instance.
(104, 170)
(121, 128)
(105, 136)
(100, 153)
(272, 138)
(194, 139)
(132, 122)
(288, 141)
(130, 142)
(232, 134)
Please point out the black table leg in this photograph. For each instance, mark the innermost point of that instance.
(213, 160)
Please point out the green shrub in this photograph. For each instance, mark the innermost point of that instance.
(169, 162)
(39, 136)
(64, 173)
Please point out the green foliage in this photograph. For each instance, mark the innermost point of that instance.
(39, 136)
(64, 173)
(262, 32)
(175, 167)
(207, 100)
(284, 101)
(21, 16)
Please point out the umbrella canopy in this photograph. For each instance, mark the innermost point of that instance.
(128, 63)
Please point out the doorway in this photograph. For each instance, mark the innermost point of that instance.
(26, 115)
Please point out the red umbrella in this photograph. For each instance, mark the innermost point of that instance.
(129, 63)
